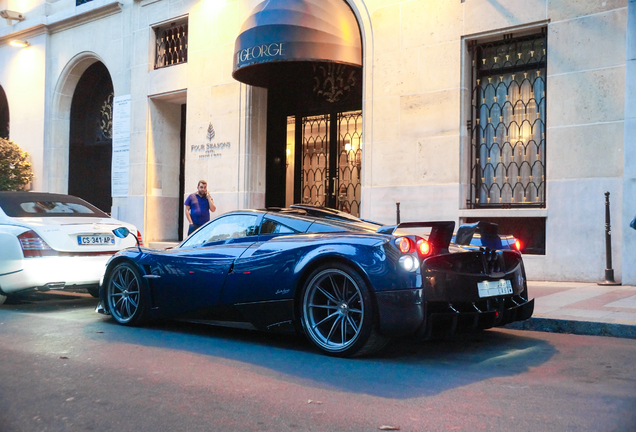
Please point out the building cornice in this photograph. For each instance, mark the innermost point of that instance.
(63, 20)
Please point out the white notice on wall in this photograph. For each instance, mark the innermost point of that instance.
(121, 146)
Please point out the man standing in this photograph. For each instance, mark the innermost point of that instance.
(198, 206)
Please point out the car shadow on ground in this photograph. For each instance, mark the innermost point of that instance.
(404, 369)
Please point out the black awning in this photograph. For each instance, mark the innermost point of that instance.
(280, 31)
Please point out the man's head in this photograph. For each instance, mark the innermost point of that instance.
(202, 188)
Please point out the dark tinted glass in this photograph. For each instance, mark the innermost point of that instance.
(27, 204)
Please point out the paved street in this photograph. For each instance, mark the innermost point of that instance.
(65, 368)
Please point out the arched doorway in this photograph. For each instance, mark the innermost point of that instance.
(312, 69)
(4, 115)
(90, 138)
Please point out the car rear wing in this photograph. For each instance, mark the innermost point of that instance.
(488, 231)
(440, 236)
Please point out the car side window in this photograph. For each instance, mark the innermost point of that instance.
(224, 228)
(272, 227)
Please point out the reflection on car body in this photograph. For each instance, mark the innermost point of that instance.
(349, 285)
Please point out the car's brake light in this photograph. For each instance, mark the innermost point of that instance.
(34, 246)
(139, 239)
(404, 244)
(517, 244)
(424, 247)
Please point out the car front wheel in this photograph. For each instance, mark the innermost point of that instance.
(337, 312)
(125, 295)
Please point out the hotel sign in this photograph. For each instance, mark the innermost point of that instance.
(209, 149)
(263, 52)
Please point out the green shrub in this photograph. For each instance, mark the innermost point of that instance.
(15, 168)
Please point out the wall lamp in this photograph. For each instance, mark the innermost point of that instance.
(19, 43)
(11, 16)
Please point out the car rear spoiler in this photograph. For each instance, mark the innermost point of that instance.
(440, 236)
(488, 231)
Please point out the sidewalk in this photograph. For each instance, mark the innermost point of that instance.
(582, 308)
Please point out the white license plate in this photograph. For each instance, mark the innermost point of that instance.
(494, 288)
(103, 239)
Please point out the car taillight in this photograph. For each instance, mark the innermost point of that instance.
(139, 239)
(404, 244)
(517, 245)
(424, 247)
(34, 246)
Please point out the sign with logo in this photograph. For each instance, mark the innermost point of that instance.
(209, 149)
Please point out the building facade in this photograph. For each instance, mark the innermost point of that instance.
(518, 112)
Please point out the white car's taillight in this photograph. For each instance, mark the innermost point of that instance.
(34, 246)
(141, 241)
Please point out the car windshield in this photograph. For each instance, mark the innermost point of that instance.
(46, 205)
(224, 228)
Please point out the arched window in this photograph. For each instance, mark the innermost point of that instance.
(4, 115)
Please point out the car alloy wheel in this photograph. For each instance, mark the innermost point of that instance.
(124, 295)
(337, 312)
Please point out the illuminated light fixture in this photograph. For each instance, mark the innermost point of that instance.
(403, 244)
(19, 43)
(11, 16)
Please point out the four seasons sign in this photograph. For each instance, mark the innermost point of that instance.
(209, 149)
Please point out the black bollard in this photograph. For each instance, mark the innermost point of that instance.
(397, 212)
(609, 271)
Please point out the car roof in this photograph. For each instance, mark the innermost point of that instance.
(326, 215)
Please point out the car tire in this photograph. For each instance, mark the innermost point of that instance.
(338, 314)
(3, 298)
(126, 295)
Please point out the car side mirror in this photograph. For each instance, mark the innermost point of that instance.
(121, 232)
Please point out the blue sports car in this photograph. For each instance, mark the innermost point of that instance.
(348, 284)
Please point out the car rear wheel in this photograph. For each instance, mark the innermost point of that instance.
(337, 312)
(125, 294)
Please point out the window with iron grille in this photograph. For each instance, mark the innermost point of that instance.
(507, 125)
(171, 44)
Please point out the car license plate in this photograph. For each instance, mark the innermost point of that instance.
(494, 288)
(88, 240)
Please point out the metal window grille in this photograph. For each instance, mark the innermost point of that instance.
(315, 159)
(349, 162)
(171, 45)
(507, 125)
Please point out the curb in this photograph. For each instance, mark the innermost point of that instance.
(586, 328)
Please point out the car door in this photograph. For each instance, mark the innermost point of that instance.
(191, 276)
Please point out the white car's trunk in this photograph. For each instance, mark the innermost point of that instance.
(62, 233)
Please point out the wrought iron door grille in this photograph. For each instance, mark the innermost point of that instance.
(171, 45)
(349, 162)
(315, 162)
(507, 125)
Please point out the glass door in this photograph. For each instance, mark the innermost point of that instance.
(324, 154)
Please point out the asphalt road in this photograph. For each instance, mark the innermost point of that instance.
(65, 368)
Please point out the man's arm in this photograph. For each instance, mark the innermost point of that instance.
(187, 208)
(211, 202)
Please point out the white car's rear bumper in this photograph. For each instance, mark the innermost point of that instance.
(54, 273)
